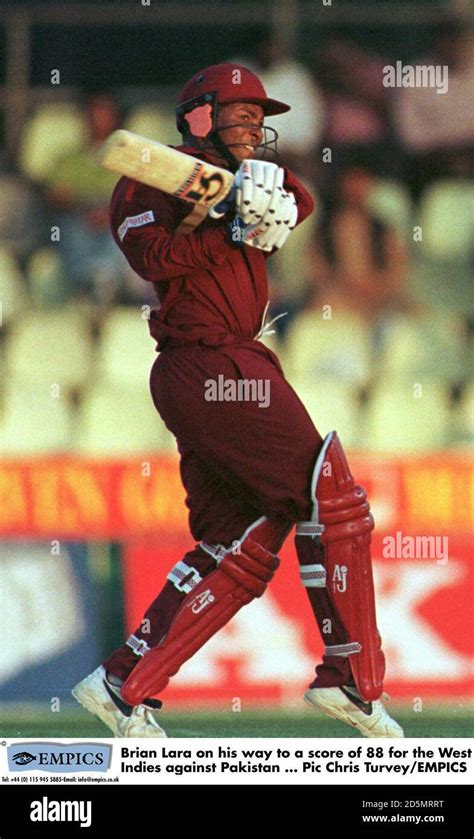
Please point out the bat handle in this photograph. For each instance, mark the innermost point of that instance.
(224, 206)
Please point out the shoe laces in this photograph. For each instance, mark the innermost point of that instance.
(142, 712)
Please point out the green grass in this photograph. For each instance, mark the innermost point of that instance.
(32, 721)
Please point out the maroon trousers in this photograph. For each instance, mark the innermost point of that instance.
(239, 461)
(241, 458)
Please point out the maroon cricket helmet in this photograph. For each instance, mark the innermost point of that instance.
(226, 83)
(222, 84)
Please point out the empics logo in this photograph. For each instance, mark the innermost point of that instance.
(22, 758)
(56, 757)
(61, 811)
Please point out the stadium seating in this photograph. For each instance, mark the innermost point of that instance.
(22, 223)
(465, 416)
(430, 345)
(51, 132)
(406, 417)
(126, 351)
(116, 420)
(45, 277)
(442, 285)
(155, 122)
(13, 295)
(331, 405)
(53, 346)
(339, 347)
(390, 202)
(167, 440)
(442, 274)
(447, 220)
(34, 421)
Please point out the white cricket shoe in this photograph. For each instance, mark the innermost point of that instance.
(370, 718)
(103, 699)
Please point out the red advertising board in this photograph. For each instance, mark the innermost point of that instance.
(269, 650)
(77, 498)
(423, 508)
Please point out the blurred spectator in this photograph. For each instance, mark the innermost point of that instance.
(285, 78)
(357, 107)
(22, 224)
(360, 262)
(79, 191)
(438, 129)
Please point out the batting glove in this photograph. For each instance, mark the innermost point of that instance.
(255, 184)
(273, 229)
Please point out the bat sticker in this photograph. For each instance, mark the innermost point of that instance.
(199, 187)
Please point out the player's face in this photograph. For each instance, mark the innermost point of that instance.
(246, 131)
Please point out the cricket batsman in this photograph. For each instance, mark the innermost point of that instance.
(251, 472)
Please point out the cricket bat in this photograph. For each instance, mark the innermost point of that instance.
(159, 166)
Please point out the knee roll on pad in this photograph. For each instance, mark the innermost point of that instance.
(251, 570)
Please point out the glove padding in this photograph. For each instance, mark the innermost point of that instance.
(265, 212)
(273, 229)
(255, 184)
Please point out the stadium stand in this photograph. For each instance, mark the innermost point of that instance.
(155, 122)
(125, 352)
(52, 130)
(116, 420)
(339, 346)
(13, 294)
(331, 405)
(33, 421)
(410, 417)
(46, 347)
(428, 345)
(446, 218)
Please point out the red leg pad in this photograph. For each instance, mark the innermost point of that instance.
(238, 579)
(348, 523)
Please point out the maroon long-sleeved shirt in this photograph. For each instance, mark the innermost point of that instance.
(207, 287)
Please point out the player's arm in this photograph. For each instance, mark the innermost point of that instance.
(144, 226)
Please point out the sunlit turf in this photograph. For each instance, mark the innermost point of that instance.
(72, 722)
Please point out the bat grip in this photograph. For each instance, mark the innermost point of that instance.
(224, 206)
